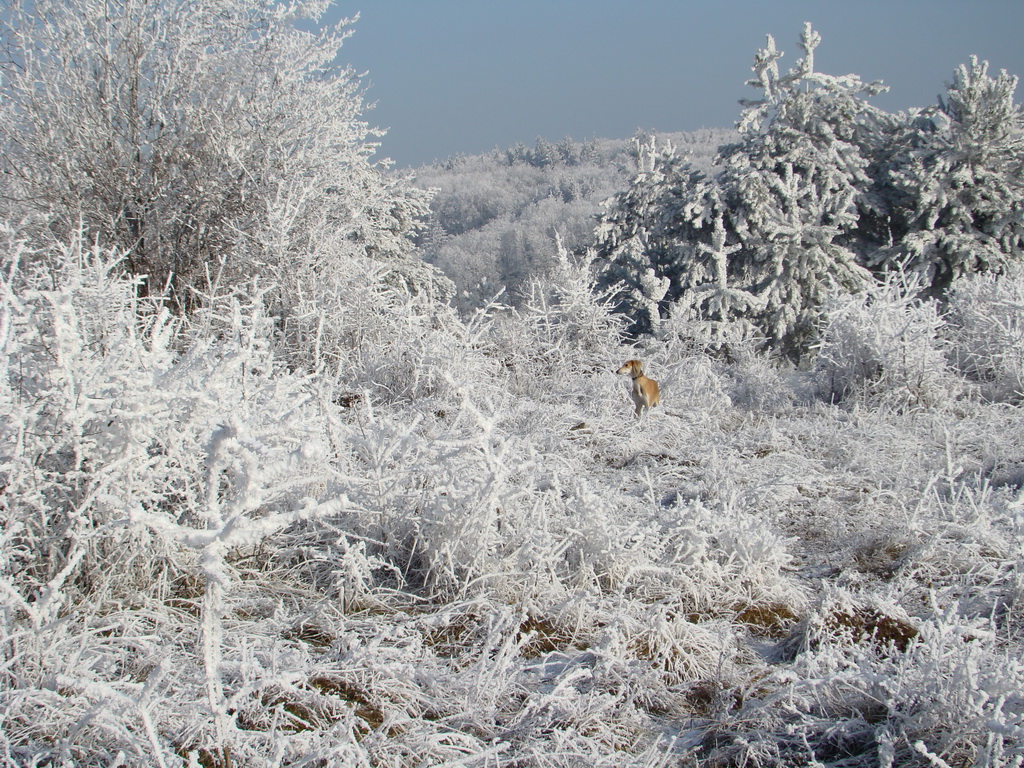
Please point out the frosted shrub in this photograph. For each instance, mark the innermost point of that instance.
(199, 139)
(986, 331)
(562, 328)
(430, 507)
(956, 697)
(687, 331)
(752, 377)
(876, 691)
(884, 345)
(414, 349)
(366, 329)
(71, 381)
(726, 555)
(462, 503)
(138, 462)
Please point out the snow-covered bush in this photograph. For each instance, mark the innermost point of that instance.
(986, 329)
(876, 689)
(885, 345)
(747, 376)
(562, 329)
(370, 337)
(79, 367)
(207, 143)
(142, 466)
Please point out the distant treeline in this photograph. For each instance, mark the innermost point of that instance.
(494, 216)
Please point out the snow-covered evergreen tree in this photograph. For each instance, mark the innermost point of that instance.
(771, 233)
(792, 185)
(647, 239)
(953, 182)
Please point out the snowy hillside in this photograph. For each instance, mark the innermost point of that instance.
(494, 217)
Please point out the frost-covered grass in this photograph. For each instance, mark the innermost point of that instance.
(453, 544)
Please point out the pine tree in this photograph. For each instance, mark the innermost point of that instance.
(647, 241)
(792, 184)
(772, 233)
(953, 182)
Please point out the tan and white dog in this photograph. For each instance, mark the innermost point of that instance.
(645, 391)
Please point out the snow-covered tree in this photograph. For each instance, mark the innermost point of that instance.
(207, 141)
(792, 185)
(648, 236)
(953, 182)
(771, 233)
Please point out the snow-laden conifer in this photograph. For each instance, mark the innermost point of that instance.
(769, 235)
(646, 241)
(952, 179)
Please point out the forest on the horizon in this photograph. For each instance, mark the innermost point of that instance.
(307, 463)
(494, 218)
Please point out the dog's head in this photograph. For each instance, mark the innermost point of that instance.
(631, 368)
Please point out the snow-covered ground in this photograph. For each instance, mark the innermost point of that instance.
(457, 546)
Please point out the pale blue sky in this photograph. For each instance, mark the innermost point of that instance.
(451, 76)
